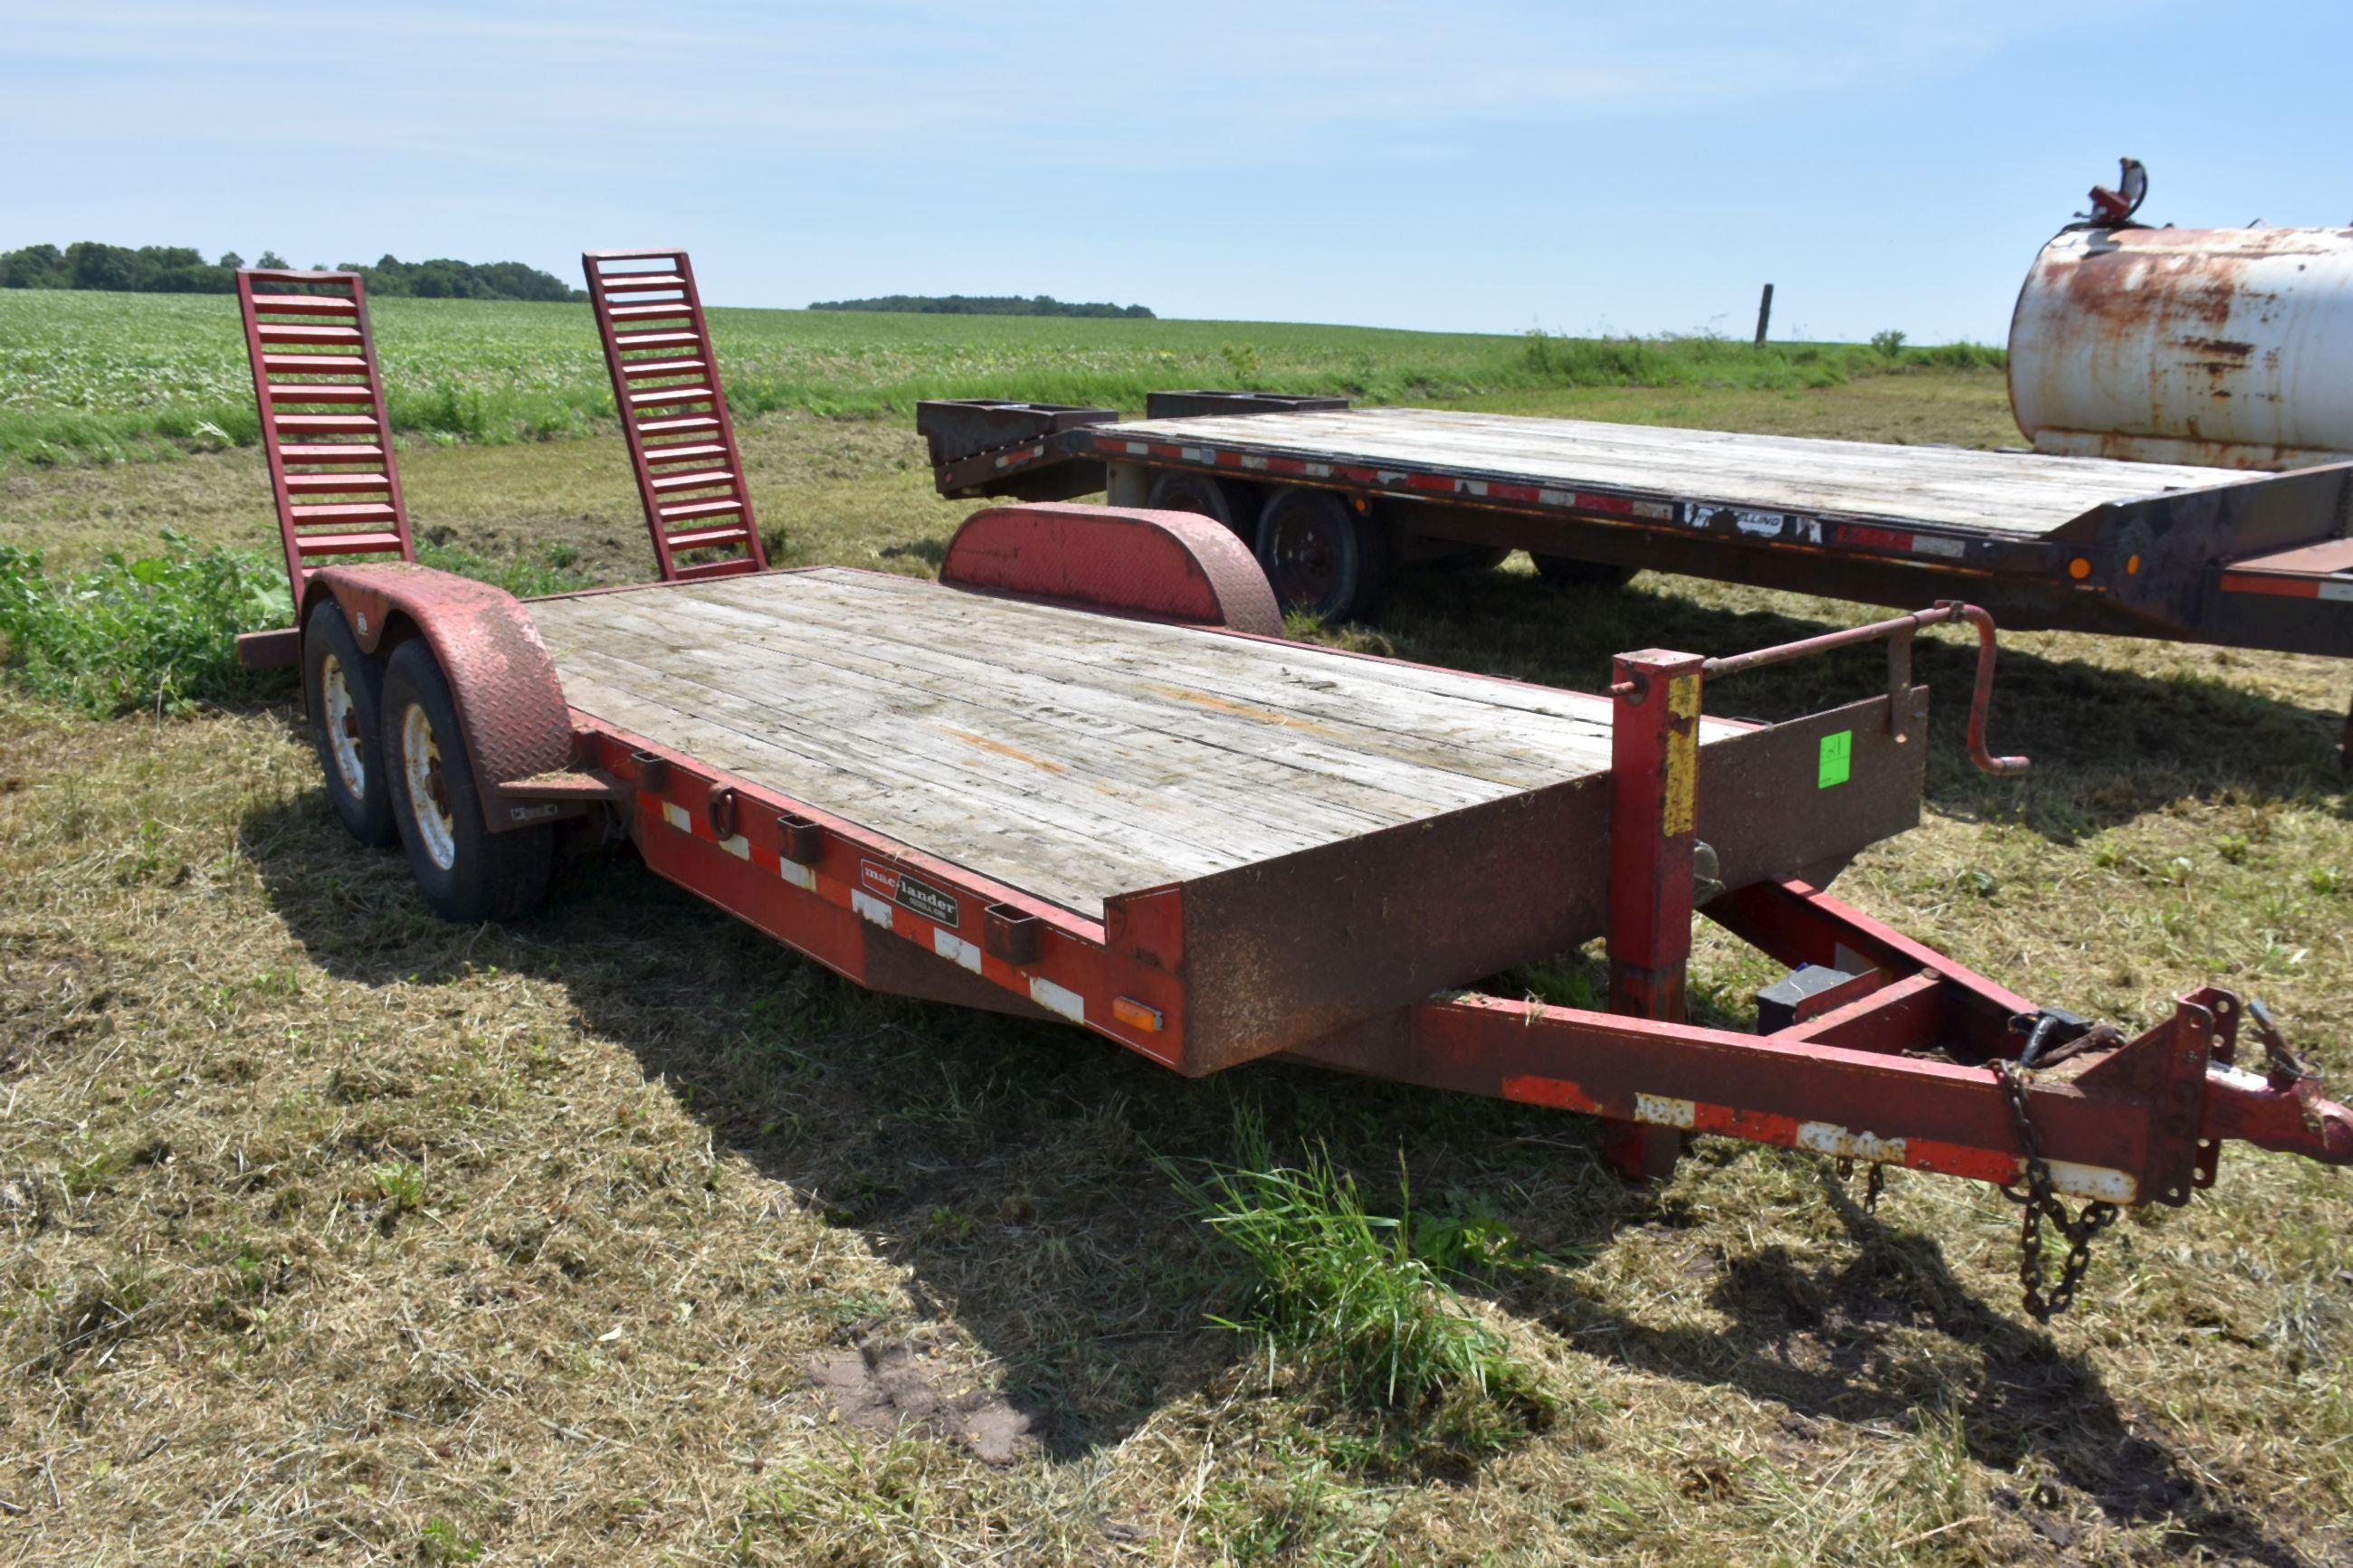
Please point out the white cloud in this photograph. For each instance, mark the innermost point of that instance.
(966, 86)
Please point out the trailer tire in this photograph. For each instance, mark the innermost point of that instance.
(1236, 506)
(1322, 558)
(1568, 571)
(466, 872)
(344, 692)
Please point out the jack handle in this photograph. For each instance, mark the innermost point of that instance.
(1897, 634)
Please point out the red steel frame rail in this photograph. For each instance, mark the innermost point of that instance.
(674, 413)
(326, 430)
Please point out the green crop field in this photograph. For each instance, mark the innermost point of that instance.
(329, 1231)
(106, 376)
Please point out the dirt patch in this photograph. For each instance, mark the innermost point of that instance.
(887, 1383)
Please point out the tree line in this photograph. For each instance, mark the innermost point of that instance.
(983, 305)
(180, 269)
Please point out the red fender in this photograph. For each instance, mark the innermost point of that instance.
(1168, 565)
(510, 702)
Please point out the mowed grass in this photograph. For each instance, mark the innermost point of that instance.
(334, 1231)
(99, 376)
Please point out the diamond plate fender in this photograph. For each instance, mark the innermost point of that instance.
(509, 701)
(1170, 565)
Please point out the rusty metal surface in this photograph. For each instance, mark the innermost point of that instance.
(1765, 810)
(278, 649)
(955, 428)
(2331, 558)
(1276, 952)
(2226, 347)
(1168, 565)
(1188, 405)
(510, 702)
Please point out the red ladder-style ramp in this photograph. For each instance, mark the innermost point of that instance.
(324, 427)
(674, 413)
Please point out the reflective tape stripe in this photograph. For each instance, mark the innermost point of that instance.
(1058, 999)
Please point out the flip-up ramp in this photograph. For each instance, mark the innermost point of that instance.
(324, 427)
(674, 413)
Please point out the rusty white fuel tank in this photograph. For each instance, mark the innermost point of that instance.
(2226, 347)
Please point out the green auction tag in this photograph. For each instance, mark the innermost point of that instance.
(1838, 759)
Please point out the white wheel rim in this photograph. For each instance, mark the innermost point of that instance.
(428, 808)
(343, 728)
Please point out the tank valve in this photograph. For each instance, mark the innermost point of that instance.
(2113, 209)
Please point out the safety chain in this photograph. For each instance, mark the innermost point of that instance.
(1872, 1184)
(2040, 1201)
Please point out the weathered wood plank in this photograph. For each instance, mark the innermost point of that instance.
(1067, 727)
(1077, 873)
(1432, 713)
(997, 767)
(1220, 699)
(1073, 755)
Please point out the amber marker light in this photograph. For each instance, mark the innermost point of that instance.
(1135, 1014)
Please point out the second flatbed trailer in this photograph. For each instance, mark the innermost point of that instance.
(1330, 496)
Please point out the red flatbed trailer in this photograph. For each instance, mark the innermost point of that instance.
(1327, 496)
(1082, 778)
(1114, 808)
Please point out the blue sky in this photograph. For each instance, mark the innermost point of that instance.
(1632, 169)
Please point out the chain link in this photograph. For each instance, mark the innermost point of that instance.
(1874, 1183)
(2040, 1201)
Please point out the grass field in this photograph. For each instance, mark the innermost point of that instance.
(87, 376)
(334, 1231)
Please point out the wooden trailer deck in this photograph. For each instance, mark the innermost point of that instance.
(1056, 751)
(1996, 492)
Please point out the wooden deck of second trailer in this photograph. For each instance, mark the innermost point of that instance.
(2016, 493)
(1072, 755)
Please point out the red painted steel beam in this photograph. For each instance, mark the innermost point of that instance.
(2113, 1127)
(2289, 1117)
(1653, 820)
(1798, 923)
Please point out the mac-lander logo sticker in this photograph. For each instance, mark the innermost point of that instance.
(908, 893)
